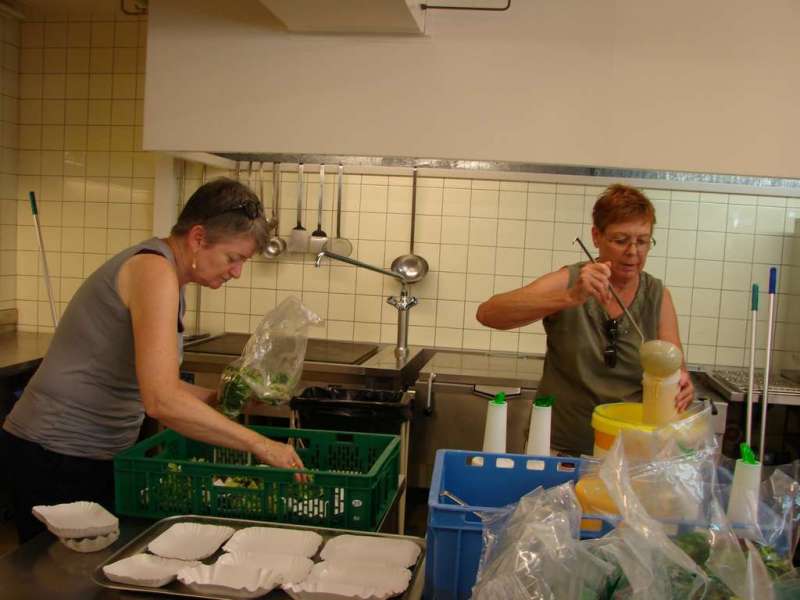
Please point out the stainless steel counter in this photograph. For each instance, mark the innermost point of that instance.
(381, 370)
(482, 367)
(21, 350)
(732, 384)
(45, 569)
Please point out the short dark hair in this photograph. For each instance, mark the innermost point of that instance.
(226, 209)
(619, 203)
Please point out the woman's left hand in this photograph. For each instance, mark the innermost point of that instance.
(685, 392)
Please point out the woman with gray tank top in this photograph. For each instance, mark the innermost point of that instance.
(115, 357)
(592, 349)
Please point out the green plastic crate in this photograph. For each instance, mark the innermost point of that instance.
(355, 478)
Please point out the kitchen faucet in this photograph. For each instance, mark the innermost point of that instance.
(403, 303)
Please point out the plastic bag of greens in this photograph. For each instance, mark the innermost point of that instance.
(652, 463)
(775, 517)
(781, 492)
(272, 361)
(684, 544)
(531, 552)
(771, 527)
(787, 587)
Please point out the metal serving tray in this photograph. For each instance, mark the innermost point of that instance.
(176, 588)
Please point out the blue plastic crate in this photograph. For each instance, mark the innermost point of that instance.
(486, 482)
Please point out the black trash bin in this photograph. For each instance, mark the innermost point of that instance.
(341, 409)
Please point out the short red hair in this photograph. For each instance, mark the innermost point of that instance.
(620, 203)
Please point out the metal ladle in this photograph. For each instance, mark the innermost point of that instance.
(411, 266)
(272, 221)
(658, 357)
(614, 293)
(276, 244)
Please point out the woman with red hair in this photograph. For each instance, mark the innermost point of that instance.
(592, 348)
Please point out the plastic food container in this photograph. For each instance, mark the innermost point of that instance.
(486, 485)
(609, 419)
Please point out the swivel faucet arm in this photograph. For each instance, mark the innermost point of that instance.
(403, 303)
(357, 263)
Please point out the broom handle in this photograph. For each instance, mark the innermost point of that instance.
(751, 378)
(773, 284)
(35, 211)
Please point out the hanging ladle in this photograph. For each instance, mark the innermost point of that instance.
(276, 244)
(272, 221)
(411, 266)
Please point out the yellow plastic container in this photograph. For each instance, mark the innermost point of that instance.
(609, 419)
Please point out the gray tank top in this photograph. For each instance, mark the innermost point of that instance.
(574, 370)
(84, 398)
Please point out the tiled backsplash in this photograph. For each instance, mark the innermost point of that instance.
(81, 88)
(482, 237)
(9, 109)
(80, 115)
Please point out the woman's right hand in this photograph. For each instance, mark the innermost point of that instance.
(593, 280)
(280, 455)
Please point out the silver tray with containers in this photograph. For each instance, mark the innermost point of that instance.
(139, 545)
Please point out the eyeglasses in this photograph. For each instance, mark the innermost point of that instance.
(643, 244)
(252, 210)
(610, 352)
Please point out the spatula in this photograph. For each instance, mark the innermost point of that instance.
(298, 238)
(338, 244)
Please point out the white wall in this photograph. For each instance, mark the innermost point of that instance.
(705, 86)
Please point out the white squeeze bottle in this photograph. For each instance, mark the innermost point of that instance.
(539, 432)
(494, 434)
(661, 361)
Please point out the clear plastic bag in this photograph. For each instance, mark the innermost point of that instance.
(272, 361)
(531, 551)
(669, 470)
(771, 531)
(673, 521)
(672, 539)
(781, 492)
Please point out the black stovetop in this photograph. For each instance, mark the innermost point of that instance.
(326, 351)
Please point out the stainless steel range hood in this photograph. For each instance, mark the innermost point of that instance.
(510, 170)
(348, 16)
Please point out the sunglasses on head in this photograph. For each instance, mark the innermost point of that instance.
(610, 351)
(252, 210)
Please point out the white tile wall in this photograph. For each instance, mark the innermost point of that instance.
(74, 137)
(9, 143)
(81, 85)
(484, 237)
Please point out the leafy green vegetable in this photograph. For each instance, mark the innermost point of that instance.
(696, 545)
(235, 390)
(776, 564)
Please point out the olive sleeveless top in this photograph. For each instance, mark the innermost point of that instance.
(84, 398)
(574, 370)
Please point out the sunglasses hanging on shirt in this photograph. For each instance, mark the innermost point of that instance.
(610, 352)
